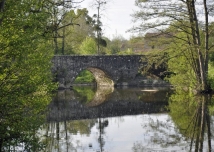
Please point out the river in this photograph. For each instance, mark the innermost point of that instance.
(124, 119)
(108, 119)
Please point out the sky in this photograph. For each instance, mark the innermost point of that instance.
(116, 17)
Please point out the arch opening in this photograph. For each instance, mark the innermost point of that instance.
(100, 78)
(85, 77)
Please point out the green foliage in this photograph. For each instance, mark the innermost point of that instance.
(126, 52)
(211, 57)
(190, 32)
(211, 75)
(104, 48)
(182, 63)
(116, 44)
(155, 58)
(137, 43)
(25, 75)
(88, 46)
(184, 75)
(85, 77)
(82, 27)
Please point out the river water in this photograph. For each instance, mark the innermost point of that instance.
(87, 119)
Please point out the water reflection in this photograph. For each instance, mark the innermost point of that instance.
(69, 104)
(129, 120)
(93, 96)
(143, 132)
(192, 117)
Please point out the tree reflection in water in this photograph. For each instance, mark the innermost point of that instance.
(58, 134)
(192, 117)
(102, 123)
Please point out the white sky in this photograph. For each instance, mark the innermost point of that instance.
(116, 17)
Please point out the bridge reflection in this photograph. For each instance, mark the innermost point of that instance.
(107, 102)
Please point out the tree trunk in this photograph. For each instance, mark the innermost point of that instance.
(2, 5)
(55, 43)
(98, 32)
(206, 42)
(1, 9)
(1, 143)
(202, 123)
(208, 125)
(197, 44)
(199, 118)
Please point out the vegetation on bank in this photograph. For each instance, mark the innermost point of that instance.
(25, 76)
(189, 31)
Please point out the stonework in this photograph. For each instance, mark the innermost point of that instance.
(107, 69)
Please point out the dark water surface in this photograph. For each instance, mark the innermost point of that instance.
(127, 120)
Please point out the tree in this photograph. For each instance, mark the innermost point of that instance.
(182, 15)
(137, 44)
(99, 4)
(88, 46)
(25, 63)
(118, 45)
(75, 35)
(58, 12)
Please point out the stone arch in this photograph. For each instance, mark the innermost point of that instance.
(100, 75)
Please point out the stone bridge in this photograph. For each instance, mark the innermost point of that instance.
(107, 69)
